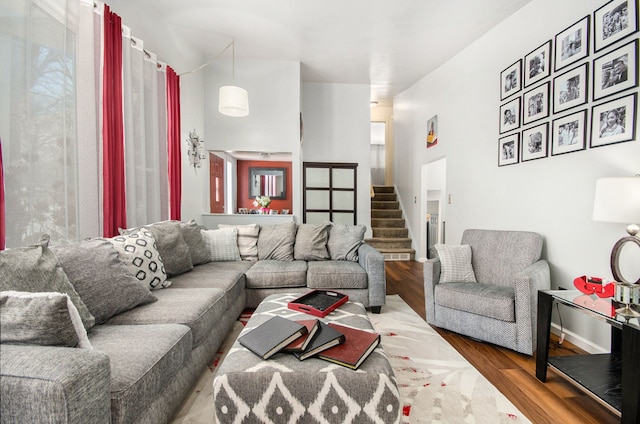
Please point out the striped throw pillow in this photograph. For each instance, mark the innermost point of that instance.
(247, 240)
(455, 264)
(222, 244)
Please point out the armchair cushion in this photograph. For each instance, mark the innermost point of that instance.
(456, 264)
(489, 300)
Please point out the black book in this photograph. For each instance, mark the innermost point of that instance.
(325, 338)
(271, 336)
(301, 343)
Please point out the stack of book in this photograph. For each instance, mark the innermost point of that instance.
(332, 342)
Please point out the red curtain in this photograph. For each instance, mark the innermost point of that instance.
(114, 200)
(173, 141)
(2, 218)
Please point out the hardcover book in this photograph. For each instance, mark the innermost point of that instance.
(302, 342)
(271, 336)
(357, 346)
(325, 338)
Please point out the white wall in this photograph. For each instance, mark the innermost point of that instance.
(552, 196)
(337, 129)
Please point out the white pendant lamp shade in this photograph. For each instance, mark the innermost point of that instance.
(233, 101)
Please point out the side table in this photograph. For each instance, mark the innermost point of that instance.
(612, 378)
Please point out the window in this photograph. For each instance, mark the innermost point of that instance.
(330, 193)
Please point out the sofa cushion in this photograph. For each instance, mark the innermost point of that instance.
(102, 280)
(144, 359)
(45, 318)
(174, 251)
(197, 247)
(213, 275)
(247, 240)
(272, 274)
(222, 244)
(198, 309)
(344, 241)
(139, 253)
(336, 275)
(36, 269)
(276, 241)
(455, 264)
(311, 242)
(490, 300)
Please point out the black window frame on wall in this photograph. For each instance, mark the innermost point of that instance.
(330, 166)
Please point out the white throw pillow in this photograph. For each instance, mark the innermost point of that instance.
(455, 264)
(247, 240)
(222, 244)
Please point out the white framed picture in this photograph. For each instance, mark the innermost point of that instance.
(508, 149)
(537, 64)
(534, 142)
(510, 115)
(570, 88)
(613, 22)
(535, 104)
(614, 121)
(572, 44)
(616, 71)
(568, 134)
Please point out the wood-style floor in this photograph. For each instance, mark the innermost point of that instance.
(514, 374)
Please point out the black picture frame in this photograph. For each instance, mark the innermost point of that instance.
(535, 104)
(509, 150)
(537, 64)
(511, 80)
(569, 133)
(615, 71)
(570, 89)
(603, 134)
(613, 22)
(509, 116)
(572, 44)
(535, 142)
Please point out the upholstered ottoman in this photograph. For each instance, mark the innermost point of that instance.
(283, 389)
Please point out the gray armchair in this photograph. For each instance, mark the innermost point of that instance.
(501, 307)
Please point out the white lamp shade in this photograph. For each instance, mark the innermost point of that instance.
(233, 101)
(617, 200)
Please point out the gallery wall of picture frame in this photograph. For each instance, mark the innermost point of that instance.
(575, 91)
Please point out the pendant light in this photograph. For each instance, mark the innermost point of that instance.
(233, 100)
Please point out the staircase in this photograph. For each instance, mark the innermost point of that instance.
(390, 236)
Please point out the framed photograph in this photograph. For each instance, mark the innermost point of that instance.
(432, 131)
(570, 88)
(614, 21)
(572, 44)
(511, 80)
(508, 147)
(614, 121)
(535, 104)
(510, 115)
(534, 142)
(537, 64)
(616, 71)
(568, 134)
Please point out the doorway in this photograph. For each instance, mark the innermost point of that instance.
(433, 188)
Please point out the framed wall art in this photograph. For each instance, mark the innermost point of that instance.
(508, 149)
(570, 88)
(535, 104)
(614, 121)
(568, 134)
(572, 44)
(534, 142)
(537, 64)
(616, 71)
(511, 80)
(613, 22)
(510, 115)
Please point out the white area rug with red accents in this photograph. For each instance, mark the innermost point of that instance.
(436, 383)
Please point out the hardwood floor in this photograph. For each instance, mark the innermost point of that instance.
(556, 401)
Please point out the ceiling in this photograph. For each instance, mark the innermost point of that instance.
(389, 44)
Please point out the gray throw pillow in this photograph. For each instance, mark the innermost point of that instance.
(222, 244)
(102, 280)
(247, 240)
(311, 242)
(455, 264)
(36, 269)
(344, 241)
(174, 251)
(193, 238)
(276, 241)
(45, 319)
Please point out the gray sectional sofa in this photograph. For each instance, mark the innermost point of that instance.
(118, 330)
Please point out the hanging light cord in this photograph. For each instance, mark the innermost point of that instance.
(204, 65)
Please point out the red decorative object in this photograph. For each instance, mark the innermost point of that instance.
(593, 285)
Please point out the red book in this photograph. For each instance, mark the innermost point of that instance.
(301, 342)
(357, 346)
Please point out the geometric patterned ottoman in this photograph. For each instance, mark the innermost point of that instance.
(282, 389)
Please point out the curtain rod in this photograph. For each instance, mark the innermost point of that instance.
(204, 65)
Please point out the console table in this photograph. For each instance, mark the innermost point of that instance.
(599, 375)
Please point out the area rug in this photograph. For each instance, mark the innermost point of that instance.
(436, 383)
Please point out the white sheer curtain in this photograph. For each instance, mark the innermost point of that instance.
(143, 144)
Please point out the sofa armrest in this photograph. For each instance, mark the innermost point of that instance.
(373, 263)
(54, 385)
(431, 274)
(528, 282)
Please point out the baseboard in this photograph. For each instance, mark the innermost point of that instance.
(579, 341)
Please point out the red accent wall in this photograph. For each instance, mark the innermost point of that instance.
(244, 201)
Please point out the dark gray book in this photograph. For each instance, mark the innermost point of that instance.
(271, 336)
(325, 338)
